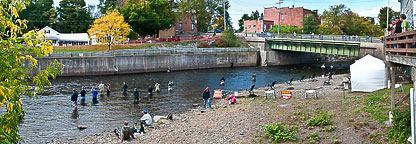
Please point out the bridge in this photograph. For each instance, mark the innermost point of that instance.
(285, 51)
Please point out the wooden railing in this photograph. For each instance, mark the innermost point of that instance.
(402, 44)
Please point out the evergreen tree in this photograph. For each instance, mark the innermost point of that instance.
(39, 13)
(73, 16)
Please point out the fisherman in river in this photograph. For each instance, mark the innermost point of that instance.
(94, 95)
(254, 76)
(150, 90)
(170, 86)
(108, 89)
(157, 87)
(74, 99)
(222, 81)
(136, 95)
(101, 88)
(125, 88)
(83, 96)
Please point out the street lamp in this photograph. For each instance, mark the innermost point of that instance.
(278, 26)
(387, 20)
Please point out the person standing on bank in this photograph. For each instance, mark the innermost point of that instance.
(136, 95)
(206, 95)
(74, 99)
(125, 88)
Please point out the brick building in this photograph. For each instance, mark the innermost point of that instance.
(289, 16)
(185, 26)
(255, 26)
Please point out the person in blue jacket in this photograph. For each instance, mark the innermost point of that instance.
(74, 98)
(94, 95)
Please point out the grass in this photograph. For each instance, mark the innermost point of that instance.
(377, 104)
(98, 48)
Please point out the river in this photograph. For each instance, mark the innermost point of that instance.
(51, 117)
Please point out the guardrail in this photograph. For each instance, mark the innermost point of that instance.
(127, 52)
(403, 44)
(316, 37)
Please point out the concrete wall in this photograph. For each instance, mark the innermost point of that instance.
(80, 66)
(374, 49)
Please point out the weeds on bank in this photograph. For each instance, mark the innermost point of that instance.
(313, 138)
(401, 126)
(280, 133)
(322, 118)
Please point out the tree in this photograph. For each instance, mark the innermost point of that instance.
(310, 24)
(285, 29)
(73, 16)
(109, 29)
(382, 16)
(106, 5)
(39, 13)
(17, 63)
(255, 15)
(332, 20)
(147, 17)
(219, 20)
(241, 22)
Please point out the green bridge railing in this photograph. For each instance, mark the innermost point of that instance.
(316, 46)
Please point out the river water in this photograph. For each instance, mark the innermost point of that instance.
(51, 117)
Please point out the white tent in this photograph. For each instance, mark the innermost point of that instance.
(368, 74)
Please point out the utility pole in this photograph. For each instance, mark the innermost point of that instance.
(387, 21)
(225, 22)
(278, 26)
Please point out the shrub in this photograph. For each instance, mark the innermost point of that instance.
(203, 44)
(328, 129)
(320, 119)
(228, 39)
(280, 132)
(400, 130)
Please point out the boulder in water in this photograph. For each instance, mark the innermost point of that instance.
(81, 127)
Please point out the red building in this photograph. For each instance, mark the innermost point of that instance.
(185, 26)
(289, 16)
(255, 26)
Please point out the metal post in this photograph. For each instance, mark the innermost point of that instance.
(278, 26)
(387, 20)
(393, 84)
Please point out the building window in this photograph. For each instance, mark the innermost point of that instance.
(254, 26)
(192, 18)
(180, 26)
(283, 17)
(192, 26)
(271, 26)
(48, 31)
(180, 19)
(249, 26)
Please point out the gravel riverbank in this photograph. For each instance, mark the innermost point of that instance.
(242, 123)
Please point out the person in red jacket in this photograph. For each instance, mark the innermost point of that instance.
(232, 99)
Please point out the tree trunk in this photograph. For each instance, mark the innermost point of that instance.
(109, 47)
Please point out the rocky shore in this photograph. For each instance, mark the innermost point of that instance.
(242, 122)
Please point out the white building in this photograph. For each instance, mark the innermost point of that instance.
(67, 39)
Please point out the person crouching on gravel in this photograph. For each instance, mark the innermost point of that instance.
(126, 132)
(232, 99)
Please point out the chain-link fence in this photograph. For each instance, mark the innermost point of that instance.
(152, 52)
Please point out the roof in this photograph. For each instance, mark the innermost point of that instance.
(73, 37)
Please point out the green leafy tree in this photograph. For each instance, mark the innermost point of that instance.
(310, 24)
(73, 16)
(332, 24)
(202, 10)
(106, 5)
(17, 61)
(39, 13)
(219, 21)
(241, 22)
(285, 29)
(255, 15)
(382, 16)
(147, 17)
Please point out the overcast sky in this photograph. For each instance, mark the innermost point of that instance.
(239, 7)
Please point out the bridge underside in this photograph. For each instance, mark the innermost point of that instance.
(316, 46)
